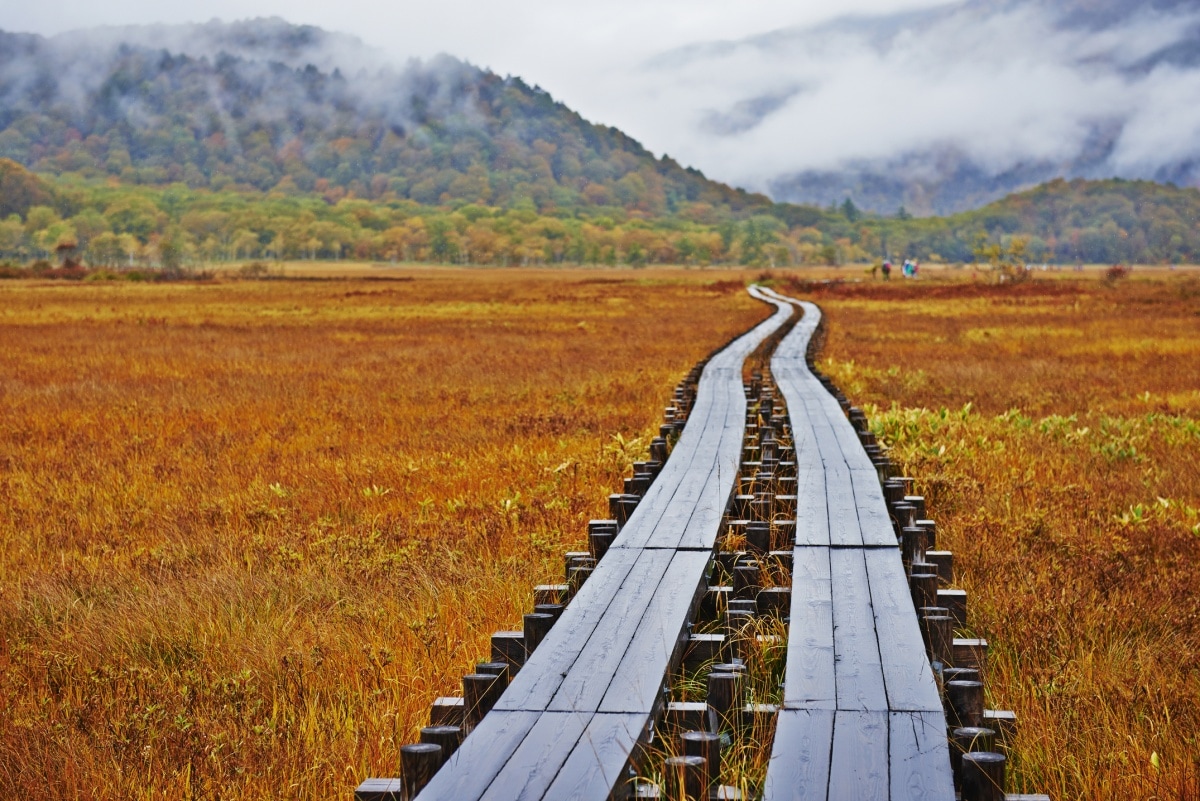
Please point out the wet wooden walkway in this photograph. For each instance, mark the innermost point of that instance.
(568, 723)
(861, 717)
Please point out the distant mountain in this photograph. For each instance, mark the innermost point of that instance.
(947, 108)
(275, 107)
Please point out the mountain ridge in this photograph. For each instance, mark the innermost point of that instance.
(252, 108)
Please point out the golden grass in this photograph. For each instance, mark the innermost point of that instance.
(252, 529)
(1055, 429)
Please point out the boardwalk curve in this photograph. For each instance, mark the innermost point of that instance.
(567, 725)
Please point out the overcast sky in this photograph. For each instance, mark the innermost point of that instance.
(1002, 84)
(589, 55)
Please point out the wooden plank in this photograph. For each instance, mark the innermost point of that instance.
(535, 763)
(482, 755)
(799, 766)
(536, 683)
(597, 764)
(873, 519)
(859, 671)
(637, 683)
(809, 673)
(858, 766)
(919, 757)
(584, 682)
(907, 674)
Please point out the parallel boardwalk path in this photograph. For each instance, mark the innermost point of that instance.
(566, 726)
(862, 717)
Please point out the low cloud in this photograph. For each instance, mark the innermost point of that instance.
(1004, 87)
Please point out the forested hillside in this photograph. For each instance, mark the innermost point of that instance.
(252, 111)
(256, 145)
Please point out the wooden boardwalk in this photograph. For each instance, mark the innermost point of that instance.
(567, 724)
(862, 717)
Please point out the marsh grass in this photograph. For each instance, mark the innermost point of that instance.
(251, 529)
(1055, 430)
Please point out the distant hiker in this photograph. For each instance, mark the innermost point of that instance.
(887, 270)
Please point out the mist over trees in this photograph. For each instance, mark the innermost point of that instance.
(116, 153)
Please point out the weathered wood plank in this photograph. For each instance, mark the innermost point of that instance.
(859, 670)
(532, 767)
(587, 678)
(907, 675)
(470, 770)
(657, 642)
(536, 683)
(858, 767)
(597, 763)
(919, 759)
(809, 678)
(799, 766)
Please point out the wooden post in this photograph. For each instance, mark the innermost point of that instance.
(537, 625)
(725, 698)
(917, 502)
(685, 778)
(418, 763)
(498, 669)
(747, 578)
(924, 589)
(944, 561)
(758, 536)
(956, 602)
(967, 740)
(965, 699)
(776, 601)
(930, 531)
(912, 545)
(941, 639)
(554, 610)
(601, 534)
(448, 737)
(576, 577)
(983, 776)
(446, 711)
(481, 691)
(704, 744)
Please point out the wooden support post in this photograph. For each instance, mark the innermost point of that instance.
(448, 737)
(956, 602)
(725, 698)
(537, 626)
(964, 700)
(930, 530)
(944, 561)
(775, 601)
(971, 653)
(917, 502)
(418, 763)
(687, 716)
(380, 790)
(481, 691)
(601, 534)
(967, 740)
(758, 536)
(685, 778)
(983, 776)
(509, 646)
(704, 744)
(446, 710)
(499, 669)
(550, 594)
(554, 610)
(912, 546)
(941, 639)
(924, 589)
